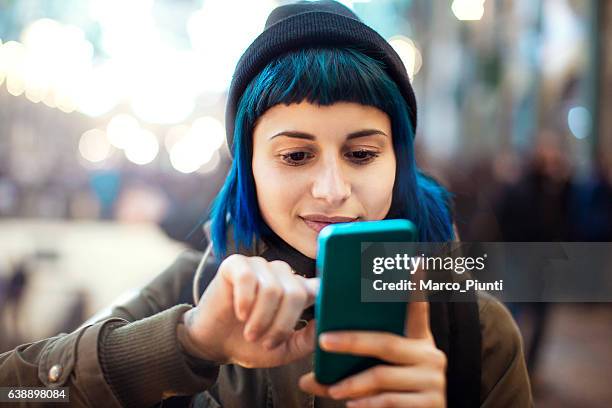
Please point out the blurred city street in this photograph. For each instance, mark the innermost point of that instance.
(87, 263)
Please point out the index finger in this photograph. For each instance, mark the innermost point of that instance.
(312, 288)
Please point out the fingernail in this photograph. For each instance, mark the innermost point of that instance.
(329, 340)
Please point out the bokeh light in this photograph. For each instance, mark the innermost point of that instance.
(211, 165)
(164, 91)
(408, 53)
(467, 10)
(120, 129)
(218, 31)
(174, 135)
(94, 145)
(13, 60)
(197, 146)
(142, 147)
(57, 60)
(100, 90)
(579, 121)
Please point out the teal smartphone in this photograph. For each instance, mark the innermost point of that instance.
(338, 305)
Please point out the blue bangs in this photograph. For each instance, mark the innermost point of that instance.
(325, 76)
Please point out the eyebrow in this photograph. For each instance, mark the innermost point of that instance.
(308, 136)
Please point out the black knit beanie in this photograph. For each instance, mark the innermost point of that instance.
(311, 24)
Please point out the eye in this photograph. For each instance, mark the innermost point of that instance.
(362, 156)
(296, 158)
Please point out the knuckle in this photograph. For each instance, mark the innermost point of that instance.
(234, 259)
(236, 267)
(377, 374)
(271, 292)
(433, 400)
(280, 265)
(389, 400)
(439, 381)
(439, 358)
(230, 262)
(258, 259)
(390, 343)
(244, 275)
(296, 296)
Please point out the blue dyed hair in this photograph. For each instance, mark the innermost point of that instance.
(324, 76)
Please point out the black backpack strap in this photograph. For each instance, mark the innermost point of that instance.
(456, 330)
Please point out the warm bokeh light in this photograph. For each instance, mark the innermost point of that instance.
(12, 57)
(408, 52)
(142, 147)
(101, 89)
(467, 10)
(212, 129)
(184, 158)
(94, 146)
(197, 146)
(57, 59)
(218, 30)
(174, 135)
(66, 104)
(211, 165)
(120, 129)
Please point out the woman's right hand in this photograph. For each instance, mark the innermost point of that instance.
(248, 313)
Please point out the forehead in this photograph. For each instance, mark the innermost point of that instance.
(338, 119)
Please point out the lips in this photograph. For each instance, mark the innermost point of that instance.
(317, 222)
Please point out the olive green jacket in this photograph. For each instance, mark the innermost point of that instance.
(133, 358)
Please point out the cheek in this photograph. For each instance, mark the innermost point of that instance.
(374, 190)
(277, 191)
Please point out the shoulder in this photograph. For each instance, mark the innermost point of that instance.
(180, 272)
(505, 381)
(188, 257)
(498, 326)
(174, 284)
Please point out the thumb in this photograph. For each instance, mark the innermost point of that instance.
(301, 343)
(417, 323)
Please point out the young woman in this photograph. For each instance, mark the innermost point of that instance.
(321, 121)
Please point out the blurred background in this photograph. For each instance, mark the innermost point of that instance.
(112, 147)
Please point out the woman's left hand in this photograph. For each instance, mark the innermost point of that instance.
(416, 376)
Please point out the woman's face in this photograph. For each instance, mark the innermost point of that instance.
(319, 164)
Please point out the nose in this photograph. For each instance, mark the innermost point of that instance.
(331, 184)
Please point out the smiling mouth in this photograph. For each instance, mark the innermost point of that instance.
(317, 226)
